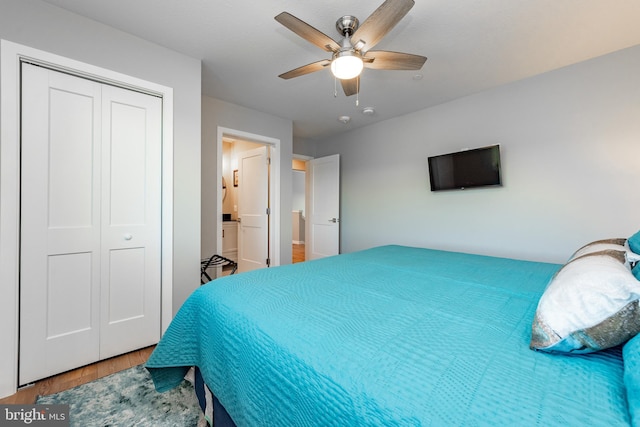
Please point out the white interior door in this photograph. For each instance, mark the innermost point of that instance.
(323, 210)
(88, 167)
(60, 223)
(131, 227)
(253, 205)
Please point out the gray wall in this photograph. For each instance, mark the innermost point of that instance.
(570, 142)
(304, 147)
(45, 27)
(215, 114)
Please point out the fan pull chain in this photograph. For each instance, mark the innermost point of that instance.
(358, 91)
(335, 87)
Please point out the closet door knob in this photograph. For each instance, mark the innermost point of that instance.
(128, 236)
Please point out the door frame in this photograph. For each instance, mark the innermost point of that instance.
(11, 57)
(274, 190)
(305, 159)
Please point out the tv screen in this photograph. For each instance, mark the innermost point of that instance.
(478, 167)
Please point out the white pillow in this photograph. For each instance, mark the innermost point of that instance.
(591, 304)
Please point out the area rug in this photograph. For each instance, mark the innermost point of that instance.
(128, 398)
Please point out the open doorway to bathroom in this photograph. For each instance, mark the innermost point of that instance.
(257, 234)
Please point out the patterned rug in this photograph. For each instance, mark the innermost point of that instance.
(128, 398)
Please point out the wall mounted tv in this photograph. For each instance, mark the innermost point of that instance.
(478, 167)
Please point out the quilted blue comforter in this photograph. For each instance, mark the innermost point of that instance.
(392, 336)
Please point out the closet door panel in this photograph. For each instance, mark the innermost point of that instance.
(60, 223)
(67, 276)
(126, 296)
(71, 174)
(131, 221)
(128, 147)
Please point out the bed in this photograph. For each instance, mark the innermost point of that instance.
(393, 336)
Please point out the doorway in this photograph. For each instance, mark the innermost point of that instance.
(228, 198)
(298, 206)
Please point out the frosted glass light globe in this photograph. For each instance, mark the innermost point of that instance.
(346, 66)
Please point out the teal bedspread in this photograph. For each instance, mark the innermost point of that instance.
(390, 336)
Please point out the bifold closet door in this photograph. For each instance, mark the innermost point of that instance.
(131, 221)
(90, 222)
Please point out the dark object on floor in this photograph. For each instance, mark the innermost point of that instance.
(215, 261)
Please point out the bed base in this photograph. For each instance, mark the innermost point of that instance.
(220, 416)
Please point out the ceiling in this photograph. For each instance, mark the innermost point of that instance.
(471, 45)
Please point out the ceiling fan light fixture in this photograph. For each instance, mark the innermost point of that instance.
(354, 48)
(346, 65)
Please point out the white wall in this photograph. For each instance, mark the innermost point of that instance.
(570, 143)
(219, 114)
(42, 26)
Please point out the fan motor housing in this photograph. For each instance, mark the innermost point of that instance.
(347, 25)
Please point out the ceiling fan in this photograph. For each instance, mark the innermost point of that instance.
(352, 53)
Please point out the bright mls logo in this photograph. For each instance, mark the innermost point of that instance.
(34, 415)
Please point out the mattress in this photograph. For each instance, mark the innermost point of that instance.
(389, 336)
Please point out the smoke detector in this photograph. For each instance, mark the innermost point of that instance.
(368, 111)
(344, 119)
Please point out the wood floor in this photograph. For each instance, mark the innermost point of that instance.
(70, 379)
(298, 253)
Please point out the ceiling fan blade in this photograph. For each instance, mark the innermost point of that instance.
(385, 60)
(305, 69)
(350, 87)
(308, 32)
(379, 23)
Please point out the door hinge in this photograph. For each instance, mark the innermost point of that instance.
(268, 211)
(268, 262)
(269, 160)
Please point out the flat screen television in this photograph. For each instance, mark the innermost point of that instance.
(478, 167)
